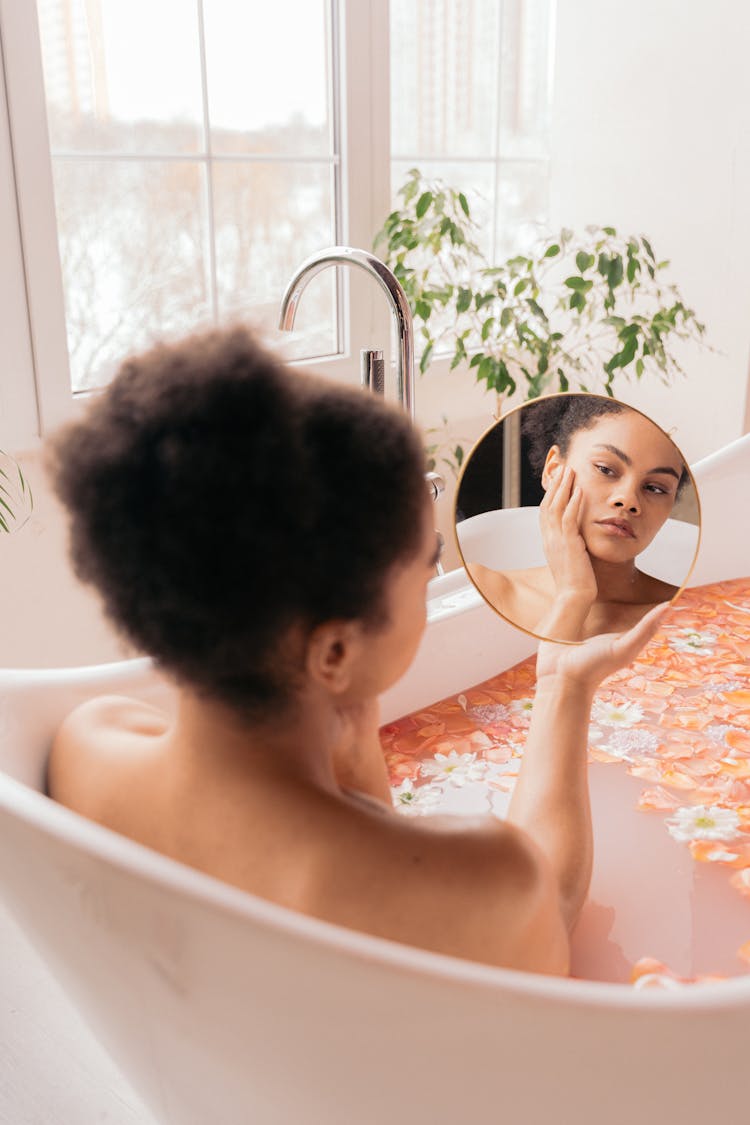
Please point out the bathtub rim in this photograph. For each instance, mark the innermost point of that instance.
(55, 821)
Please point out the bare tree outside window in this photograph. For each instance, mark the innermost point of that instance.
(187, 201)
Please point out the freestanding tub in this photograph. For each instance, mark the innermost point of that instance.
(220, 1007)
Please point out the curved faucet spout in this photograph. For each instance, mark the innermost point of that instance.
(343, 255)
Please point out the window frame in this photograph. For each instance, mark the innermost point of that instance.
(32, 314)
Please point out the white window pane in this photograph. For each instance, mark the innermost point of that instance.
(444, 64)
(268, 217)
(127, 79)
(470, 94)
(522, 201)
(524, 78)
(121, 76)
(267, 71)
(133, 253)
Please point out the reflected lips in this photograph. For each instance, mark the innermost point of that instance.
(618, 527)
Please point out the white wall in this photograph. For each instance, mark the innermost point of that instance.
(651, 134)
(49, 619)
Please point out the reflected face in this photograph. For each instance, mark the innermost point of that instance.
(629, 472)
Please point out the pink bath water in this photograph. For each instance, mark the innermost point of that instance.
(669, 744)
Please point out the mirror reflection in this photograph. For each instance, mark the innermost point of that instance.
(575, 514)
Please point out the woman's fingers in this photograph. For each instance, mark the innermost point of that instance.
(558, 494)
(572, 514)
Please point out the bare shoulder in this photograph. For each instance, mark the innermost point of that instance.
(494, 585)
(521, 596)
(92, 734)
(475, 888)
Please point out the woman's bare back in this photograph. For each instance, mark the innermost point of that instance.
(470, 887)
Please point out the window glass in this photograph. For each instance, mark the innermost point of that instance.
(194, 167)
(261, 100)
(131, 270)
(444, 57)
(122, 77)
(470, 94)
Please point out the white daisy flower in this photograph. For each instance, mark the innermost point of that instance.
(454, 767)
(412, 800)
(621, 714)
(522, 706)
(691, 640)
(703, 822)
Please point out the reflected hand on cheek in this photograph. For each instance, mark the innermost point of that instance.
(563, 543)
(575, 514)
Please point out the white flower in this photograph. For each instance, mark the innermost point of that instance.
(616, 714)
(727, 685)
(484, 712)
(487, 713)
(703, 822)
(691, 640)
(454, 767)
(623, 743)
(411, 800)
(522, 707)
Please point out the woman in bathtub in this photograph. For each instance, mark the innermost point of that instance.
(266, 535)
(611, 478)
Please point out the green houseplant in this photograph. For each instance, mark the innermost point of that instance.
(16, 500)
(574, 313)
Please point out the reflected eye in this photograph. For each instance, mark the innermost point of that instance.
(657, 490)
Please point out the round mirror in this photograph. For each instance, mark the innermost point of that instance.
(575, 514)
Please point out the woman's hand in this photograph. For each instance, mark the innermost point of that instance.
(564, 547)
(586, 665)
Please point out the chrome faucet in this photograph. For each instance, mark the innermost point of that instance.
(342, 255)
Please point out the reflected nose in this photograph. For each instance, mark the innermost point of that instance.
(627, 500)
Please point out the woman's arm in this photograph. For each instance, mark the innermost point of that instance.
(551, 799)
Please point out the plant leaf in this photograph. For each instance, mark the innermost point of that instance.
(580, 284)
(423, 203)
(463, 302)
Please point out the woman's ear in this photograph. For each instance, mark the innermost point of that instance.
(553, 465)
(333, 650)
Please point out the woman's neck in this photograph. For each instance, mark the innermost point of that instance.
(617, 582)
(294, 743)
(314, 743)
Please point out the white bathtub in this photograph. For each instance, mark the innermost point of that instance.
(222, 1008)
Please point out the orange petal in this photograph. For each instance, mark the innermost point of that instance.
(657, 798)
(431, 731)
(738, 740)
